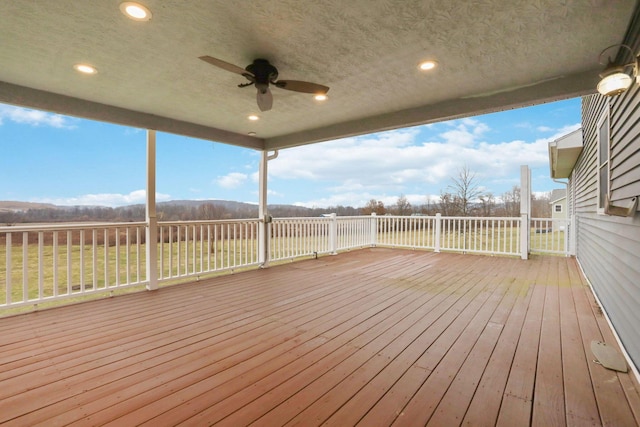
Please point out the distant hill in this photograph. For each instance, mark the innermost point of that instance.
(14, 206)
(227, 204)
(26, 212)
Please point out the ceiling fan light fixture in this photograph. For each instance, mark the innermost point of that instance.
(85, 69)
(253, 117)
(135, 11)
(320, 97)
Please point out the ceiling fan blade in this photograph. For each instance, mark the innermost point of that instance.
(265, 99)
(225, 65)
(300, 86)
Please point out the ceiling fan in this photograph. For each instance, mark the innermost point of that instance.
(262, 74)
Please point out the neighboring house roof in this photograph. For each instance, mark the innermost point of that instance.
(558, 195)
(563, 154)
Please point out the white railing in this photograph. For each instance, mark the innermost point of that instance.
(490, 235)
(354, 232)
(300, 237)
(550, 236)
(193, 248)
(406, 231)
(49, 262)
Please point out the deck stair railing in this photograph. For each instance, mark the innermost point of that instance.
(40, 263)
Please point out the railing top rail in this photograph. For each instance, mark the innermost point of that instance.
(69, 226)
(212, 221)
(305, 218)
(322, 218)
(483, 218)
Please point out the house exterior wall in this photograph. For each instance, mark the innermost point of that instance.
(608, 247)
(559, 209)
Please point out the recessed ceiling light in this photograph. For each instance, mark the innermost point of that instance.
(321, 97)
(85, 69)
(135, 11)
(253, 117)
(427, 65)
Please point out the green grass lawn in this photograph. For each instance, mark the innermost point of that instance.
(107, 269)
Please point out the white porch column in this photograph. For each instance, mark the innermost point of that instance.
(263, 212)
(438, 232)
(525, 210)
(152, 221)
(333, 234)
(373, 229)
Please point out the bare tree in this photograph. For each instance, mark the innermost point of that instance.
(210, 211)
(403, 207)
(488, 204)
(428, 207)
(465, 189)
(374, 206)
(541, 205)
(511, 200)
(448, 204)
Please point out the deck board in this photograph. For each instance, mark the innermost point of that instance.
(370, 337)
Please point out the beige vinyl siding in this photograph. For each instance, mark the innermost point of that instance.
(608, 247)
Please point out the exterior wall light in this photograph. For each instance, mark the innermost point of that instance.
(615, 78)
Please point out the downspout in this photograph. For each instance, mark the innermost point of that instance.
(263, 213)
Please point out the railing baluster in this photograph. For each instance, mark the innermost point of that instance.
(40, 264)
(69, 260)
(194, 239)
(25, 263)
(106, 258)
(8, 270)
(94, 255)
(127, 256)
(138, 253)
(55, 264)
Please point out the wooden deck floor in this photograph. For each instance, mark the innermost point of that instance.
(374, 337)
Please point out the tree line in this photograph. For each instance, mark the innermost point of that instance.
(464, 196)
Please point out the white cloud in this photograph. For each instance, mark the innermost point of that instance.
(34, 117)
(389, 163)
(383, 166)
(274, 193)
(232, 180)
(105, 199)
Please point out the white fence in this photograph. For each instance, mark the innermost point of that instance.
(193, 248)
(550, 236)
(50, 262)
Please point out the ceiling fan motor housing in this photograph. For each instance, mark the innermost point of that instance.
(263, 71)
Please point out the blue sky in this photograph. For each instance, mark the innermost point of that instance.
(63, 160)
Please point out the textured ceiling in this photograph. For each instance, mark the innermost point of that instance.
(492, 55)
